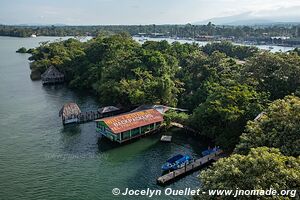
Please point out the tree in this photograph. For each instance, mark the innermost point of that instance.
(225, 112)
(173, 116)
(234, 51)
(198, 68)
(261, 169)
(278, 127)
(277, 74)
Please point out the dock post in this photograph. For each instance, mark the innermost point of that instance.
(173, 174)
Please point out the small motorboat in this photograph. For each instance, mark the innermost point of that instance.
(176, 162)
(210, 151)
(182, 162)
(170, 162)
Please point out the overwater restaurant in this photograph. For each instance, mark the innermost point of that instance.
(131, 125)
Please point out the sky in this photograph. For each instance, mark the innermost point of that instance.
(104, 12)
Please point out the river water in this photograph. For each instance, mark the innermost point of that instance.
(272, 48)
(41, 159)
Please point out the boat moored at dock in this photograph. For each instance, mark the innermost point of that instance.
(176, 162)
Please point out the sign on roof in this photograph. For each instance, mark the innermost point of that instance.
(133, 120)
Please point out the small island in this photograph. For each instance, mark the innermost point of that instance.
(22, 50)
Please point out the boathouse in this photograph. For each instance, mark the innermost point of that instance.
(131, 125)
(52, 76)
(69, 113)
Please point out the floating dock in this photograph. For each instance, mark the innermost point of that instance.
(197, 164)
(166, 138)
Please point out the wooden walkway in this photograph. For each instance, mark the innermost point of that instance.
(171, 176)
(82, 117)
(89, 116)
(178, 125)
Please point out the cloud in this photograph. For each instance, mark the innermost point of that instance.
(138, 11)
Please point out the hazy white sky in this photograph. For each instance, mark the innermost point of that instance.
(87, 12)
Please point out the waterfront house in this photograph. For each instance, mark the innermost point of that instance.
(69, 113)
(52, 76)
(130, 125)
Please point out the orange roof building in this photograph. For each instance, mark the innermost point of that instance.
(127, 126)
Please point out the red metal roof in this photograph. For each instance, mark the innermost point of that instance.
(132, 120)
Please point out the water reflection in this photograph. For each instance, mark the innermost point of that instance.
(71, 130)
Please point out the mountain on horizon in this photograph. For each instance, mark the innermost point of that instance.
(37, 24)
(279, 16)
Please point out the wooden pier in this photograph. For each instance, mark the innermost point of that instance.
(71, 113)
(83, 117)
(197, 164)
(178, 125)
(89, 116)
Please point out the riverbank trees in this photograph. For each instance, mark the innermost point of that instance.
(261, 169)
(267, 155)
(278, 127)
(225, 112)
(275, 73)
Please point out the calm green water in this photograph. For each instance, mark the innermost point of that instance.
(40, 159)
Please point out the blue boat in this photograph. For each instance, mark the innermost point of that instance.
(210, 151)
(170, 162)
(176, 162)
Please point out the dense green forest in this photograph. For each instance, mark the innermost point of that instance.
(254, 34)
(224, 86)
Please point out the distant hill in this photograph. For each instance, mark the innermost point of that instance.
(279, 16)
(38, 24)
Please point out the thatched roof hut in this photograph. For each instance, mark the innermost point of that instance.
(52, 75)
(69, 112)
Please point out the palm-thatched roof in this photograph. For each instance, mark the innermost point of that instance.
(108, 109)
(69, 110)
(52, 72)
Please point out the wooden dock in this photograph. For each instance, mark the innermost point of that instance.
(197, 164)
(178, 125)
(166, 138)
(89, 116)
(71, 113)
